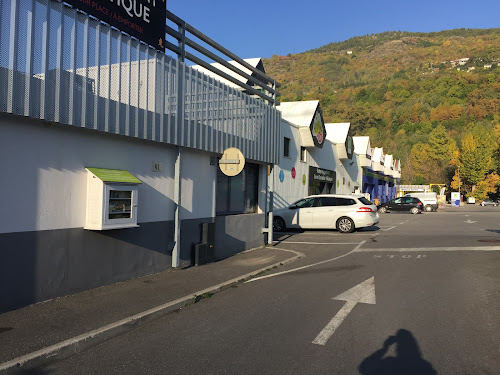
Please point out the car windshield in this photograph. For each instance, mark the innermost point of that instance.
(306, 202)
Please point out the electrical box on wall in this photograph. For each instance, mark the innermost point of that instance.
(111, 199)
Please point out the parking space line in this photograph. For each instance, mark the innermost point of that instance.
(373, 233)
(318, 243)
(385, 230)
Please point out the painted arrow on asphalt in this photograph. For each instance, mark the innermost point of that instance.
(469, 221)
(361, 293)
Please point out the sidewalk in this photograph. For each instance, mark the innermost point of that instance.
(58, 328)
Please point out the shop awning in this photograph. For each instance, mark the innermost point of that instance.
(114, 175)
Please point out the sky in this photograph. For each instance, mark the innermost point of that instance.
(279, 27)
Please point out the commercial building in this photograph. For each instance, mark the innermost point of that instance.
(110, 153)
(380, 172)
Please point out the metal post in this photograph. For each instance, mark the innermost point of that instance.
(271, 206)
(177, 205)
(176, 252)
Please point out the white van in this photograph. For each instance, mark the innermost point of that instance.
(428, 199)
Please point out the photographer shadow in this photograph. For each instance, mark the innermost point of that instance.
(408, 359)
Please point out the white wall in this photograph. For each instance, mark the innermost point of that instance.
(43, 176)
(197, 185)
(348, 173)
(290, 189)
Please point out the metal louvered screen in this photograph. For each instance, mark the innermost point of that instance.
(59, 65)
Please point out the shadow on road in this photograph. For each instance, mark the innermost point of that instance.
(408, 359)
(280, 237)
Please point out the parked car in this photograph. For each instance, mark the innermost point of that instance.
(429, 200)
(489, 202)
(402, 204)
(327, 211)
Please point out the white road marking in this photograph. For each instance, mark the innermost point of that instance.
(361, 293)
(308, 266)
(419, 256)
(385, 230)
(410, 249)
(318, 243)
(469, 221)
(372, 233)
(332, 326)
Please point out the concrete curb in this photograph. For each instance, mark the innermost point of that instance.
(79, 343)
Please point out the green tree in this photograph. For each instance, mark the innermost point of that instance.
(442, 146)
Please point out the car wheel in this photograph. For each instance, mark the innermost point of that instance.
(345, 225)
(278, 224)
(382, 210)
(428, 208)
(414, 210)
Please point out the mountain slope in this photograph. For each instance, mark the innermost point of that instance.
(397, 87)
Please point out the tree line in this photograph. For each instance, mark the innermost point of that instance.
(403, 91)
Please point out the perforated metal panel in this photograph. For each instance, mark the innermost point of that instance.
(59, 65)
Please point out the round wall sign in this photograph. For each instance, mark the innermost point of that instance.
(293, 172)
(282, 176)
(232, 162)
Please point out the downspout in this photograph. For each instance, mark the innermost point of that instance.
(269, 206)
(176, 252)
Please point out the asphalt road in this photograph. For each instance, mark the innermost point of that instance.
(418, 294)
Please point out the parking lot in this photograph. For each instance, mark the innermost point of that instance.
(421, 290)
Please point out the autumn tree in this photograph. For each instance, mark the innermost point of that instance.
(488, 186)
(476, 154)
(423, 167)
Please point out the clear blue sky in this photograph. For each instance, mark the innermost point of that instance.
(279, 27)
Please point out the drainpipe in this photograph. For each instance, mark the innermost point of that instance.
(270, 193)
(176, 252)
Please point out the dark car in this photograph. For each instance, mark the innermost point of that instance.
(402, 204)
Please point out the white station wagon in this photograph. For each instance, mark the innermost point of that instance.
(328, 211)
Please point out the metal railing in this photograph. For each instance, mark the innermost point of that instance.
(261, 80)
(59, 65)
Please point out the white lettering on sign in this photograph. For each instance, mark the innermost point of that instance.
(135, 8)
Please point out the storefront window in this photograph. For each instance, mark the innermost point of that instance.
(238, 194)
(286, 147)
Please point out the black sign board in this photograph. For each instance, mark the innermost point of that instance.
(321, 181)
(349, 145)
(142, 19)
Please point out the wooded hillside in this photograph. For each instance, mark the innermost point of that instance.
(424, 97)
